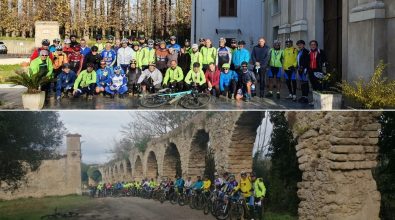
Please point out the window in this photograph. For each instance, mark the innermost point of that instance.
(228, 8)
(275, 7)
(275, 33)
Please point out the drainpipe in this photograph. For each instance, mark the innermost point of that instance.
(194, 31)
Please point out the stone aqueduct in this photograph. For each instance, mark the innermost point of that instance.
(336, 153)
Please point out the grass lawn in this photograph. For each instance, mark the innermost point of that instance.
(16, 38)
(34, 208)
(278, 216)
(7, 71)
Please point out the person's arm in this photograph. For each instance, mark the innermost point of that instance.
(216, 59)
(180, 74)
(159, 78)
(188, 77)
(118, 58)
(81, 63)
(247, 56)
(167, 77)
(266, 58)
(202, 78)
(230, 55)
(77, 82)
(221, 83)
(114, 55)
(93, 80)
(50, 68)
(253, 58)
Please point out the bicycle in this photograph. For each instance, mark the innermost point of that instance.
(191, 99)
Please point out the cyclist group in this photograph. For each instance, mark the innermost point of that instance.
(139, 66)
(215, 197)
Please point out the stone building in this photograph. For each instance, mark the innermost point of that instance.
(356, 34)
(53, 177)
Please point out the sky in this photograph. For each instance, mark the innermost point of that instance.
(99, 129)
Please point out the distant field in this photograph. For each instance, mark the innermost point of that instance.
(34, 208)
(7, 71)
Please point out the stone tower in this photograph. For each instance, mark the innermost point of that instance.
(73, 164)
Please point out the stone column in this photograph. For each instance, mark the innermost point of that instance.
(366, 25)
(285, 27)
(73, 164)
(299, 27)
(337, 152)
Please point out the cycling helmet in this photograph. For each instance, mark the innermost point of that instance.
(173, 38)
(67, 41)
(94, 48)
(242, 173)
(288, 41)
(124, 41)
(226, 65)
(45, 42)
(152, 64)
(110, 37)
(117, 69)
(59, 47)
(277, 42)
(56, 40)
(150, 41)
(99, 37)
(133, 61)
(136, 43)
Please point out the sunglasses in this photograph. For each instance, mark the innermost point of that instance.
(102, 64)
(44, 55)
(244, 66)
(226, 68)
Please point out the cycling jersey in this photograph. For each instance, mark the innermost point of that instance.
(209, 55)
(85, 79)
(245, 187)
(198, 78)
(196, 58)
(173, 75)
(109, 56)
(180, 183)
(224, 55)
(259, 188)
(206, 185)
(102, 76)
(197, 185)
(290, 58)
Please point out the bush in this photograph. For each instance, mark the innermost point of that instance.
(378, 93)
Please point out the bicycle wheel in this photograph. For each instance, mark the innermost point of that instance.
(153, 101)
(195, 101)
(191, 201)
(181, 200)
(173, 198)
(207, 207)
(222, 210)
(236, 211)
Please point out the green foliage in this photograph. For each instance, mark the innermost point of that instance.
(378, 93)
(27, 138)
(284, 171)
(84, 173)
(7, 71)
(33, 82)
(385, 171)
(142, 143)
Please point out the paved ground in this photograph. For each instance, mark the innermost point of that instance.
(11, 99)
(138, 209)
(11, 59)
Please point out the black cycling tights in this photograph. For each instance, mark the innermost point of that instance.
(291, 84)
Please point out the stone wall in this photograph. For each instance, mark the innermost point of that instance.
(53, 177)
(46, 30)
(336, 153)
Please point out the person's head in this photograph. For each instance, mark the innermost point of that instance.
(172, 51)
(173, 40)
(142, 39)
(189, 178)
(313, 44)
(162, 44)
(45, 44)
(108, 45)
(59, 49)
(211, 66)
(151, 43)
(56, 41)
(196, 67)
(118, 42)
(199, 178)
(90, 67)
(195, 48)
(277, 44)
(103, 64)
(67, 43)
(226, 67)
(94, 50)
(205, 178)
(232, 178)
(173, 64)
(244, 66)
(83, 42)
(73, 38)
(44, 54)
(289, 43)
(202, 41)
(301, 44)
(152, 67)
(216, 175)
(222, 42)
(233, 43)
(117, 70)
(253, 176)
(208, 43)
(243, 175)
(136, 46)
(187, 43)
(261, 42)
(124, 43)
(66, 68)
(241, 44)
(225, 175)
(133, 64)
(98, 39)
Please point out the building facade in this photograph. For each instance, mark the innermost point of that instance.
(229, 19)
(356, 34)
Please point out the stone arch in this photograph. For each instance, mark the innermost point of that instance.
(239, 156)
(171, 161)
(128, 166)
(152, 165)
(116, 173)
(138, 168)
(197, 153)
(122, 171)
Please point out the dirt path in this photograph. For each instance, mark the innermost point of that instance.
(138, 209)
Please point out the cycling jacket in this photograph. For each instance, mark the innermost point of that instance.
(173, 75)
(85, 79)
(209, 55)
(245, 187)
(290, 58)
(196, 58)
(226, 79)
(109, 56)
(198, 78)
(259, 188)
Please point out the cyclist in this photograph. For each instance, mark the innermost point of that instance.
(133, 74)
(73, 41)
(173, 44)
(99, 43)
(147, 55)
(187, 46)
(65, 82)
(259, 191)
(150, 79)
(224, 54)
(209, 54)
(56, 42)
(248, 79)
(196, 56)
(93, 57)
(174, 77)
(124, 55)
(136, 53)
(233, 45)
(245, 187)
(179, 185)
(260, 59)
(318, 62)
(152, 184)
(276, 59)
(228, 82)
(118, 44)
(303, 63)
(198, 185)
(117, 83)
(67, 49)
(184, 60)
(42, 65)
(161, 57)
(76, 60)
(142, 41)
(196, 78)
(213, 77)
(109, 55)
(289, 65)
(240, 55)
(59, 59)
(173, 55)
(102, 77)
(85, 50)
(44, 46)
(218, 181)
(202, 43)
(85, 82)
(188, 185)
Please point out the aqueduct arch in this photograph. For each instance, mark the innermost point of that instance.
(336, 152)
(152, 166)
(197, 154)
